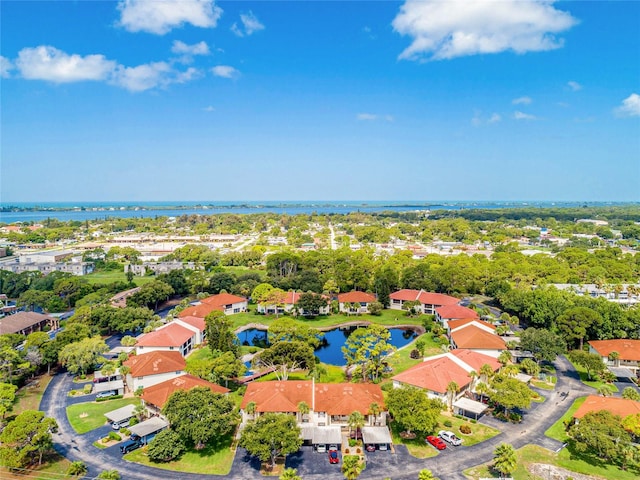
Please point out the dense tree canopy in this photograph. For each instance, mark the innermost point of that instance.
(26, 438)
(413, 410)
(270, 436)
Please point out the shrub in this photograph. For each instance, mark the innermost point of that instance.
(114, 436)
(375, 308)
(465, 428)
(109, 475)
(125, 431)
(447, 423)
(87, 388)
(473, 420)
(415, 354)
(166, 446)
(77, 469)
(134, 421)
(105, 440)
(253, 349)
(115, 397)
(387, 387)
(73, 392)
(353, 442)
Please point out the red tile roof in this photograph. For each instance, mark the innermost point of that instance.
(333, 398)
(173, 335)
(159, 393)
(435, 374)
(628, 349)
(222, 299)
(197, 322)
(154, 363)
(453, 324)
(475, 337)
(475, 359)
(201, 310)
(291, 298)
(355, 296)
(617, 406)
(426, 298)
(455, 312)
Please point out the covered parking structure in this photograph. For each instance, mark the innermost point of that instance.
(327, 436)
(147, 430)
(121, 414)
(623, 373)
(466, 406)
(378, 436)
(113, 386)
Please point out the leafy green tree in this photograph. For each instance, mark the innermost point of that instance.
(591, 362)
(166, 446)
(81, 357)
(574, 323)
(310, 303)
(150, 295)
(543, 344)
(288, 330)
(510, 393)
(286, 357)
(375, 308)
(222, 281)
(77, 469)
(530, 367)
(504, 357)
(367, 348)
(198, 415)
(7, 397)
(413, 410)
(351, 467)
(631, 393)
(220, 336)
(26, 438)
(290, 474)
(270, 436)
(504, 459)
(631, 423)
(602, 434)
(426, 475)
(109, 475)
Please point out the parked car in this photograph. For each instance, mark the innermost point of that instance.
(130, 445)
(119, 425)
(107, 394)
(321, 448)
(355, 433)
(333, 455)
(436, 442)
(370, 447)
(450, 438)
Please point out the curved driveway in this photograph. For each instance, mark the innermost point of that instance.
(448, 465)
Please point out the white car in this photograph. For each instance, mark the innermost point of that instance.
(449, 437)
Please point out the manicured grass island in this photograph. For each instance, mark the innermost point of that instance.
(88, 416)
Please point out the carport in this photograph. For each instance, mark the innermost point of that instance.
(622, 372)
(524, 378)
(327, 436)
(121, 414)
(376, 436)
(306, 432)
(463, 406)
(147, 429)
(115, 385)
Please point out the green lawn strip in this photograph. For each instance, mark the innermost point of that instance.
(557, 430)
(542, 385)
(213, 460)
(479, 433)
(53, 466)
(111, 276)
(88, 416)
(28, 397)
(401, 360)
(584, 377)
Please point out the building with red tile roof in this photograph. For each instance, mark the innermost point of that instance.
(200, 310)
(477, 338)
(155, 396)
(227, 303)
(428, 300)
(173, 336)
(435, 373)
(462, 322)
(361, 300)
(628, 351)
(196, 324)
(154, 367)
(617, 406)
(288, 305)
(447, 313)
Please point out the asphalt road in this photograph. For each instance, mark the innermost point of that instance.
(448, 465)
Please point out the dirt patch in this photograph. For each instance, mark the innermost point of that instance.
(551, 472)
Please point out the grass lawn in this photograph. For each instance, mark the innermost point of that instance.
(543, 385)
(111, 276)
(28, 397)
(216, 459)
(401, 361)
(88, 416)
(592, 383)
(557, 430)
(53, 466)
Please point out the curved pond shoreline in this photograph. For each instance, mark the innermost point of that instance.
(419, 329)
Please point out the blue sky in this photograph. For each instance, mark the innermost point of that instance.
(416, 100)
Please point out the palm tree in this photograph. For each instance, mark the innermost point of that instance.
(605, 390)
(251, 409)
(486, 372)
(504, 357)
(452, 389)
(426, 475)
(504, 459)
(290, 474)
(351, 467)
(482, 389)
(615, 358)
(474, 378)
(356, 421)
(510, 370)
(375, 410)
(303, 408)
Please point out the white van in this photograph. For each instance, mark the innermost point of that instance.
(119, 425)
(321, 448)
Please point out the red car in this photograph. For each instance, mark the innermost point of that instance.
(436, 442)
(333, 456)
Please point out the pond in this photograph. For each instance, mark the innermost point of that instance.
(331, 349)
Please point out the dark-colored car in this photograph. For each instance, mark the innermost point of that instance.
(333, 456)
(130, 445)
(436, 442)
(355, 433)
(370, 447)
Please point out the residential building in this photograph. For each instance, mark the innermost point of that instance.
(195, 324)
(172, 336)
(428, 301)
(152, 368)
(477, 336)
(119, 300)
(25, 323)
(617, 406)
(155, 396)
(159, 267)
(227, 303)
(447, 313)
(355, 302)
(289, 305)
(628, 352)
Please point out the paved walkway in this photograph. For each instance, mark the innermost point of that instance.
(448, 465)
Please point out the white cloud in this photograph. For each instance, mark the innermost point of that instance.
(225, 71)
(49, 63)
(521, 101)
(142, 77)
(523, 116)
(196, 49)
(494, 118)
(478, 120)
(209, 108)
(160, 16)
(371, 117)
(250, 25)
(630, 106)
(5, 67)
(575, 86)
(444, 30)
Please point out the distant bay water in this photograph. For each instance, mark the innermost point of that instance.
(37, 212)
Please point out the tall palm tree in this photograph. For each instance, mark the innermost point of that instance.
(504, 357)
(351, 467)
(615, 358)
(486, 372)
(504, 459)
(482, 389)
(375, 410)
(303, 408)
(356, 421)
(474, 378)
(605, 390)
(452, 389)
